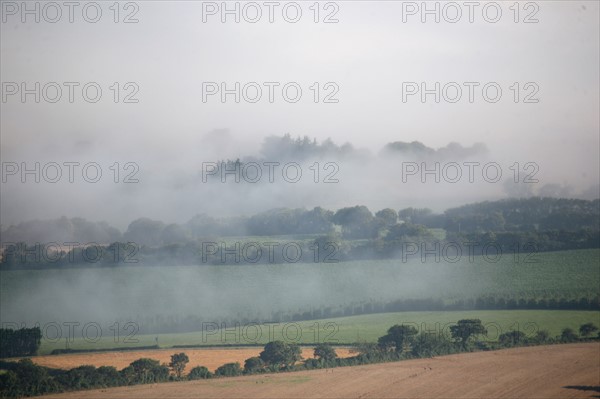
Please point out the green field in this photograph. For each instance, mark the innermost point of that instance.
(346, 330)
(181, 298)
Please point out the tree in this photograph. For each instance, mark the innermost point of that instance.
(229, 370)
(587, 329)
(325, 352)
(178, 362)
(22, 342)
(427, 345)
(388, 216)
(465, 329)
(281, 354)
(109, 376)
(253, 365)
(199, 373)
(145, 371)
(356, 222)
(568, 335)
(398, 336)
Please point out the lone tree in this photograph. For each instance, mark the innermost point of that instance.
(178, 362)
(397, 336)
(325, 352)
(587, 329)
(281, 354)
(465, 329)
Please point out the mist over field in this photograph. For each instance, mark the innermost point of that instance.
(171, 298)
(371, 162)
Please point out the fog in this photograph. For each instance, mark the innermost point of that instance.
(230, 294)
(170, 52)
(154, 148)
(330, 175)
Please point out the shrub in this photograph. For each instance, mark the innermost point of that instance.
(229, 370)
(587, 329)
(199, 373)
(542, 336)
(512, 338)
(568, 335)
(254, 365)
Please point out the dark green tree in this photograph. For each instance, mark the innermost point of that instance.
(428, 345)
(280, 354)
(144, 371)
(325, 352)
(568, 335)
(254, 365)
(229, 370)
(199, 373)
(465, 329)
(178, 363)
(397, 337)
(22, 342)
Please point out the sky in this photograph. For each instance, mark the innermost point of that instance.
(166, 123)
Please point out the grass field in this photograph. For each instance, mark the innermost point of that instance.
(258, 292)
(163, 298)
(352, 329)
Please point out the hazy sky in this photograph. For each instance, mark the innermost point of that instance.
(367, 54)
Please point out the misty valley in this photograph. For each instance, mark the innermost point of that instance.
(298, 264)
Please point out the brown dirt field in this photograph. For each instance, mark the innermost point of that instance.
(208, 357)
(534, 372)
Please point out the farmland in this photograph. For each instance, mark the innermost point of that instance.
(208, 357)
(339, 291)
(541, 372)
(346, 330)
(281, 292)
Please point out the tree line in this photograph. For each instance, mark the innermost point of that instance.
(533, 214)
(402, 241)
(21, 342)
(159, 324)
(24, 378)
